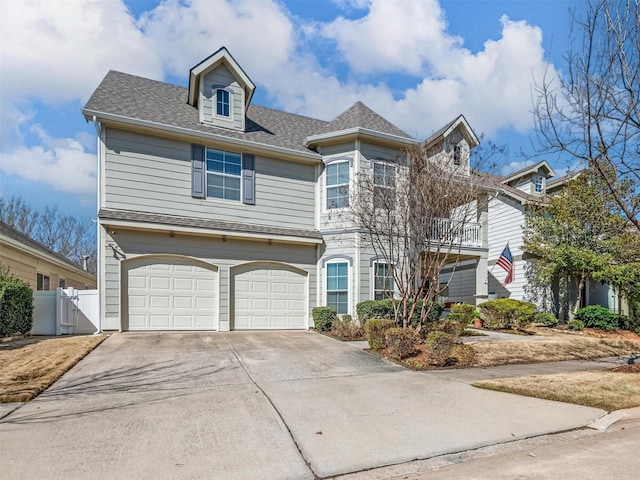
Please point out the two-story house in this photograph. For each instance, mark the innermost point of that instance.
(217, 214)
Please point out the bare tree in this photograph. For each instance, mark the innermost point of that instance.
(415, 214)
(66, 235)
(593, 115)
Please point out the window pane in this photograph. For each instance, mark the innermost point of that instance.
(215, 155)
(215, 166)
(332, 174)
(222, 102)
(339, 301)
(338, 197)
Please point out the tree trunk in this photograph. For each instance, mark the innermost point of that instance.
(583, 279)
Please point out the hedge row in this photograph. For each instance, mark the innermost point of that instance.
(16, 305)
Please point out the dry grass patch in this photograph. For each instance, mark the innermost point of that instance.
(556, 347)
(29, 366)
(607, 390)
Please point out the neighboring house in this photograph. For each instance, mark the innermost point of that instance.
(39, 266)
(216, 214)
(507, 210)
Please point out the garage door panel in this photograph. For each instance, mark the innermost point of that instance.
(270, 297)
(171, 293)
(183, 284)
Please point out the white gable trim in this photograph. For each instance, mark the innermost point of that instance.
(211, 62)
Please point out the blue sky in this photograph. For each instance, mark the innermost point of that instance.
(419, 63)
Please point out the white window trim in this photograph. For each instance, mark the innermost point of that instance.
(214, 103)
(372, 269)
(349, 263)
(537, 177)
(334, 161)
(386, 163)
(206, 175)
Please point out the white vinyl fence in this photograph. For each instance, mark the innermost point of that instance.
(65, 311)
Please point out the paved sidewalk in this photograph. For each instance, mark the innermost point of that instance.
(580, 455)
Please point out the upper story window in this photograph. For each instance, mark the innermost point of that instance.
(457, 154)
(338, 286)
(337, 181)
(222, 102)
(224, 170)
(383, 285)
(384, 176)
(538, 183)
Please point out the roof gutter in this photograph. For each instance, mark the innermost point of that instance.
(91, 114)
(357, 131)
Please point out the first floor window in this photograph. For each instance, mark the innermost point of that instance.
(224, 170)
(338, 286)
(62, 283)
(222, 102)
(337, 181)
(42, 282)
(383, 285)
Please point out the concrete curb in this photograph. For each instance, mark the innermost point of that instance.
(8, 408)
(603, 423)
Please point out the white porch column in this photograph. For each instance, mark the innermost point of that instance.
(482, 278)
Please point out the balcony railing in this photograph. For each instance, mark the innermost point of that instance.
(447, 231)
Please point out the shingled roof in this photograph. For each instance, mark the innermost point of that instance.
(8, 231)
(148, 100)
(359, 115)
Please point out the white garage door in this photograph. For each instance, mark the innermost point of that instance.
(270, 297)
(171, 294)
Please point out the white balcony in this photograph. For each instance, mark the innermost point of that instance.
(464, 234)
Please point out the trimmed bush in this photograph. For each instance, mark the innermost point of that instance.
(346, 328)
(626, 323)
(597, 316)
(433, 316)
(465, 355)
(506, 313)
(401, 342)
(375, 330)
(438, 347)
(323, 318)
(374, 309)
(463, 312)
(16, 305)
(576, 325)
(547, 319)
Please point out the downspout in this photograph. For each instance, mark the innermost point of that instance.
(96, 125)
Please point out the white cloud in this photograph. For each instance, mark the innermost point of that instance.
(61, 163)
(491, 87)
(258, 33)
(56, 52)
(515, 166)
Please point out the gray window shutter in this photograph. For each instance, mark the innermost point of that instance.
(248, 179)
(198, 171)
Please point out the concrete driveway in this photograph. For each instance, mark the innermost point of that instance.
(263, 405)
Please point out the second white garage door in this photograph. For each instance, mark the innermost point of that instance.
(269, 296)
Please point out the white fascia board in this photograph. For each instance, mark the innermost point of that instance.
(255, 146)
(132, 225)
(222, 55)
(470, 133)
(534, 168)
(358, 132)
(46, 256)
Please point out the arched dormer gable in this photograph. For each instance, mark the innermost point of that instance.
(221, 91)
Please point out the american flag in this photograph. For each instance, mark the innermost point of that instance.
(506, 263)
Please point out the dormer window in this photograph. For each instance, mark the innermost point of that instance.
(457, 154)
(222, 102)
(538, 183)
